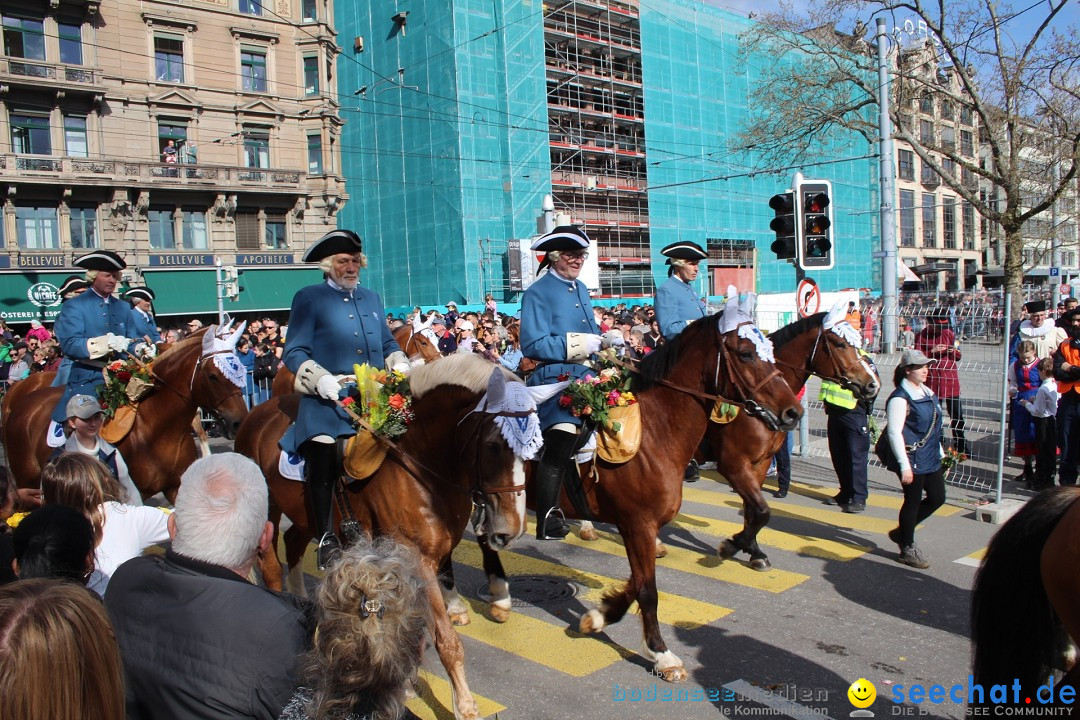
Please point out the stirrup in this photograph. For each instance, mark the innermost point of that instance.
(542, 530)
(328, 550)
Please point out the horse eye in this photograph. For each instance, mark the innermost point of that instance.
(746, 355)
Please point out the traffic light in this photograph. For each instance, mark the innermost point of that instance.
(230, 277)
(786, 244)
(815, 225)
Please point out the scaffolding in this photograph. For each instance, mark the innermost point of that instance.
(596, 122)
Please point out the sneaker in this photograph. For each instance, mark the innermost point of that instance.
(911, 556)
(854, 507)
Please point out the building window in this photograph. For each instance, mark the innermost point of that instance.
(907, 218)
(170, 130)
(256, 149)
(162, 228)
(926, 103)
(193, 227)
(907, 164)
(311, 75)
(75, 143)
(247, 229)
(251, 7)
(926, 132)
(949, 167)
(967, 143)
(169, 58)
(83, 224)
(274, 234)
(965, 115)
(24, 38)
(70, 42)
(946, 110)
(308, 10)
(30, 134)
(948, 222)
(253, 70)
(929, 220)
(37, 227)
(314, 154)
(968, 211)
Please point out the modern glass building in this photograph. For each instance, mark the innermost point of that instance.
(461, 115)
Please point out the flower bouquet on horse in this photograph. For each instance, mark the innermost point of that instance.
(605, 401)
(126, 383)
(380, 408)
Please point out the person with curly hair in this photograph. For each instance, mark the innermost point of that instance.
(373, 615)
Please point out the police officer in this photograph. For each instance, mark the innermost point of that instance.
(332, 326)
(142, 321)
(678, 303)
(94, 328)
(849, 441)
(558, 332)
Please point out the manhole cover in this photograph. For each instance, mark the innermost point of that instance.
(534, 590)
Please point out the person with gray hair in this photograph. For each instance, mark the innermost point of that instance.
(198, 639)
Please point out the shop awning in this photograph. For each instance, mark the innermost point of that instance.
(194, 292)
(26, 296)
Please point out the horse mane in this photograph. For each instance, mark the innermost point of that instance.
(789, 332)
(466, 370)
(657, 364)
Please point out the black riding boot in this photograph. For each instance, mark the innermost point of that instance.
(321, 473)
(692, 472)
(558, 448)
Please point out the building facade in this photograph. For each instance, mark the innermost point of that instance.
(173, 133)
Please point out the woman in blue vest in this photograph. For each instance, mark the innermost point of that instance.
(332, 326)
(559, 333)
(914, 430)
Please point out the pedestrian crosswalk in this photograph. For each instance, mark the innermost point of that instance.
(803, 533)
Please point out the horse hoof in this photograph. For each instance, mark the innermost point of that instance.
(459, 619)
(727, 550)
(661, 550)
(471, 712)
(591, 622)
(673, 674)
(588, 534)
(760, 564)
(499, 615)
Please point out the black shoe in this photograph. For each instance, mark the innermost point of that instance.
(328, 550)
(894, 535)
(854, 507)
(554, 529)
(836, 500)
(691, 474)
(780, 494)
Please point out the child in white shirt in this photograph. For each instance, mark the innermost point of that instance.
(1043, 409)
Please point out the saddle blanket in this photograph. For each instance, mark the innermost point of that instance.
(291, 466)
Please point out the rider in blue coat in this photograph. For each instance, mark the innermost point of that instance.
(332, 326)
(678, 304)
(142, 320)
(94, 328)
(73, 286)
(559, 332)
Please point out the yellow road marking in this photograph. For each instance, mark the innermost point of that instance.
(672, 609)
(434, 699)
(792, 542)
(825, 515)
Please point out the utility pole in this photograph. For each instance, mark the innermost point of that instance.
(547, 206)
(1055, 245)
(888, 226)
(220, 292)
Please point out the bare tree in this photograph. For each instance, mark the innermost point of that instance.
(1023, 94)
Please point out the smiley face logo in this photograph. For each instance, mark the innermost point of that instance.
(862, 693)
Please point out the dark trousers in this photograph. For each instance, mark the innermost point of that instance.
(955, 408)
(916, 507)
(783, 463)
(1046, 457)
(849, 446)
(1068, 429)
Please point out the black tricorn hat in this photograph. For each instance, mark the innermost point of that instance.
(105, 260)
(564, 237)
(1034, 306)
(334, 242)
(72, 284)
(140, 293)
(684, 250)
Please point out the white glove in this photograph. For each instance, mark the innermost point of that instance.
(613, 338)
(593, 343)
(328, 387)
(146, 351)
(117, 343)
(402, 367)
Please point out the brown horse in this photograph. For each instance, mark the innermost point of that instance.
(412, 345)
(159, 446)
(1025, 604)
(744, 447)
(676, 390)
(406, 498)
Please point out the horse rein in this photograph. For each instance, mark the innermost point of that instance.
(831, 353)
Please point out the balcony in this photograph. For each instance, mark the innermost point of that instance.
(46, 75)
(109, 171)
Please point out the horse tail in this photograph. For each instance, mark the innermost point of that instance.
(1015, 632)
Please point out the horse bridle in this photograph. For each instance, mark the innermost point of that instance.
(833, 357)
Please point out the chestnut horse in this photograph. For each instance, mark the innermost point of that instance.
(744, 447)
(1025, 604)
(676, 389)
(159, 446)
(474, 468)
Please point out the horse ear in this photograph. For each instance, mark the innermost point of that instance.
(747, 304)
(540, 393)
(496, 389)
(235, 337)
(208, 339)
(836, 315)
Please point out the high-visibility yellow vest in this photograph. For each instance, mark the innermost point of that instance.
(835, 394)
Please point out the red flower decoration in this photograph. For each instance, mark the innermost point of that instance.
(565, 401)
(348, 401)
(563, 376)
(123, 376)
(396, 401)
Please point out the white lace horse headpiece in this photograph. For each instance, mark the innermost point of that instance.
(514, 406)
(739, 314)
(219, 342)
(836, 321)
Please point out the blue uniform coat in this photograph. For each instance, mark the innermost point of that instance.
(336, 329)
(677, 304)
(551, 308)
(83, 317)
(143, 325)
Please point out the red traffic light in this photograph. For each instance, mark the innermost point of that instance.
(815, 202)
